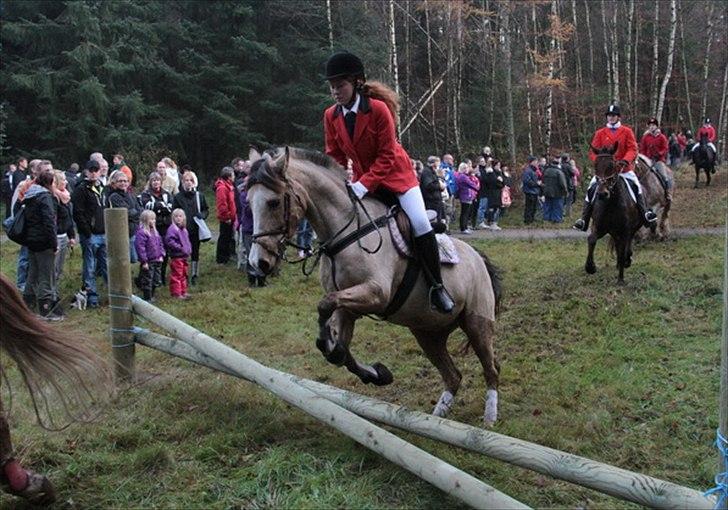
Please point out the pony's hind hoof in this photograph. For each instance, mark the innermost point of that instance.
(383, 378)
(590, 268)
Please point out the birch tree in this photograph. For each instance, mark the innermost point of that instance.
(723, 113)
(628, 57)
(615, 54)
(330, 25)
(506, 38)
(393, 55)
(670, 54)
(655, 55)
(688, 101)
(706, 62)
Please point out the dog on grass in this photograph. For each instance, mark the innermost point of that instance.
(80, 300)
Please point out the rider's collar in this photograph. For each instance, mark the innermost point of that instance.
(616, 125)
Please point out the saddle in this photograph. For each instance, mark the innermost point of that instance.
(665, 180)
(401, 233)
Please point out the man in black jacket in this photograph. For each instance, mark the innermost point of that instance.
(431, 187)
(89, 202)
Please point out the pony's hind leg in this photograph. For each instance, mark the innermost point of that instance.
(481, 333)
(590, 267)
(434, 345)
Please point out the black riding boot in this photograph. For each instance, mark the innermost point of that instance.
(583, 222)
(647, 215)
(429, 254)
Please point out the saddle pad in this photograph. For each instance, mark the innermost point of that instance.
(448, 253)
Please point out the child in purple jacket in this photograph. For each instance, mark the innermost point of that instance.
(179, 248)
(150, 251)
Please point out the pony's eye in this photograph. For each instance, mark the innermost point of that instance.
(273, 204)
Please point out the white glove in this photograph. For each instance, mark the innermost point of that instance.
(359, 189)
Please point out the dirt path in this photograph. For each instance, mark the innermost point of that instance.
(544, 233)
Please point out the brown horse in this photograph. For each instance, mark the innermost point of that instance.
(703, 158)
(657, 197)
(363, 277)
(614, 212)
(52, 364)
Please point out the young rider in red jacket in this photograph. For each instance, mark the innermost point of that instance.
(615, 133)
(708, 130)
(653, 143)
(360, 127)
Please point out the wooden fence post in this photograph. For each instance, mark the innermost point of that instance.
(122, 317)
(723, 417)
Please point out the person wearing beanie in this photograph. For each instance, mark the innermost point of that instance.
(360, 127)
(621, 136)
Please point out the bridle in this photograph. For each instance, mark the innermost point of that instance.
(283, 230)
(331, 246)
(609, 181)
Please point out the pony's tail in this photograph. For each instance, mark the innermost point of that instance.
(379, 90)
(54, 364)
(496, 279)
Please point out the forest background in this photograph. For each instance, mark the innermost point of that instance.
(204, 80)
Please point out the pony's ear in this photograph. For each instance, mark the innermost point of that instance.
(253, 155)
(281, 162)
(614, 148)
(594, 149)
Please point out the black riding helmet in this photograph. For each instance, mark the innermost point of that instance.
(613, 109)
(343, 63)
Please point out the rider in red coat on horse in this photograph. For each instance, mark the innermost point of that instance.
(653, 143)
(360, 128)
(708, 130)
(623, 136)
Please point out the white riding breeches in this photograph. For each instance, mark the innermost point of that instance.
(710, 144)
(629, 176)
(413, 205)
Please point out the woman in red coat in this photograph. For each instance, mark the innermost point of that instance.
(360, 128)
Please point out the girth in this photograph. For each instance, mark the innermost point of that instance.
(411, 274)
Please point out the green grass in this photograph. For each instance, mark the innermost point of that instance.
(623, 374)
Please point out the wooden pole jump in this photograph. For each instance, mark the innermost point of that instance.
(119, 268)
(442, 475)
(644, 490)
(723, 402)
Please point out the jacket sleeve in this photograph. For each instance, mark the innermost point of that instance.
(223, 210)
(80, 215)
(630, 153)
(596, 142)
(386, 146)
(664, 146)
(171, 240)
(141, 248)
(331, 146)
(429, 181)
(49, 219)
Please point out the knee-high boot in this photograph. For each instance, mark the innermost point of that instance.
(646, 215)
(194, 272)
(583, 222)
(428, 252)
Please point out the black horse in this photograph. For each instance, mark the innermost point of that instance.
(703, 158)
(614, 213)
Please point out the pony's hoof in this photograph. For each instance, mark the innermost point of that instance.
(384, 376)
(337, 356)
(321, 345)
(590, 268)
(628, 262)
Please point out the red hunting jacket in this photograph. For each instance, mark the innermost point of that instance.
(654, 146)
(624, 137)
(224, 200)
(379, 159)
(709, 131)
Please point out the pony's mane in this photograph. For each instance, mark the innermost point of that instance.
(262, 173)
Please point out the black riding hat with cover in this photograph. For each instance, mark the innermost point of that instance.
(613, 109)
(342, 64)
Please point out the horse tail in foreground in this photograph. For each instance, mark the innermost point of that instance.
(57, 369)
(496, 278)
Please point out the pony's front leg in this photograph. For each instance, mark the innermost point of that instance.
(341, 326)
(590, 267)
(338, 311)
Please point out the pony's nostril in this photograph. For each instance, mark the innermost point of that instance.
(264, 266)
